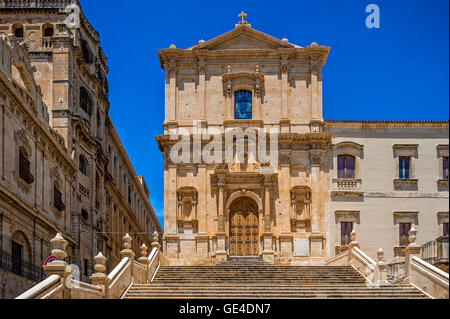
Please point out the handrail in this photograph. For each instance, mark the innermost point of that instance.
(432, 269)
(363, 257)
(337, 257)
(429, 279)
(40, 287)
(118, 268)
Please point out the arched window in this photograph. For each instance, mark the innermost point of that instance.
(24, 166)
(242, 105)
(83, 165)
(346, 166)
(48, 30)
(85, 100)
(18, 30)
(57, 197)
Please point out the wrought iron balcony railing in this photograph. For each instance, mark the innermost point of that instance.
(436, 251)
(18, 266)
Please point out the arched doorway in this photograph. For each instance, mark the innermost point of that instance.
(244, 227)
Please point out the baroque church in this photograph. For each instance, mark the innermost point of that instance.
(63, 167)
(379, 178)
(254, 176)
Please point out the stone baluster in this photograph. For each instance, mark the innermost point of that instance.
(381, 269)
(412, 250)
(144, 259)
(99, 278)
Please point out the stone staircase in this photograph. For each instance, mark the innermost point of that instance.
(248, 278)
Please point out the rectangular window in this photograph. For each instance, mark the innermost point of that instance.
(24, 167)
(404, 236)
(346, 166)
(58, 202)
(445, 168)
(445, 229)
(346, 229)
(404, 167)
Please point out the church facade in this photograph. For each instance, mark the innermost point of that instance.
(251, 168)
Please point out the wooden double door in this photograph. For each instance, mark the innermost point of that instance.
(244, 228)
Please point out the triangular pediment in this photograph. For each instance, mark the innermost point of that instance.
(243, 38)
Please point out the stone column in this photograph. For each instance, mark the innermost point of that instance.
(316, 92)
(317, 205)
(412, 250)
(99, 278)
(381, 271)
(202, 86)
(284, 68)
(172, 70)
(221, 253)
(268, 253)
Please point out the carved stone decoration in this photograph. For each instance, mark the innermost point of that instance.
(221, 224)
(187, 209)
(300, 207)
(21, 140)
(284, 68)
(201, 68)
(285, 158)
(54, 174)
(315, 65)
(316, 156)
(254, 80)
(268, 182)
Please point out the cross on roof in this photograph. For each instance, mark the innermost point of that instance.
(242, 15)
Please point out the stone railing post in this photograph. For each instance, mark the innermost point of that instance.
(155, 243)
(381, 271)
(127, 252)
(144, 258)
(353, 243)
(412, 250)
(59, 266)
(99, 278)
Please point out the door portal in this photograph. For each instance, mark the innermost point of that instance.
(244, 228)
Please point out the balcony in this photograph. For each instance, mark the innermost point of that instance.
(20, 267)
(436, 252)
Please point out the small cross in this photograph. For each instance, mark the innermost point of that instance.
(242, 15)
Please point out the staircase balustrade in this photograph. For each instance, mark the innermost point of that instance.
(61, 285)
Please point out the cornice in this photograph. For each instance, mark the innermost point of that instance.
(44, 131)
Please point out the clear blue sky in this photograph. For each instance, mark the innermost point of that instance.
(397, 72)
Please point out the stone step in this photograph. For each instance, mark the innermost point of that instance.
(278, 296)
(250, 278)
(270, 291)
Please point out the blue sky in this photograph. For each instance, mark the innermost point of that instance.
(396, 72)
